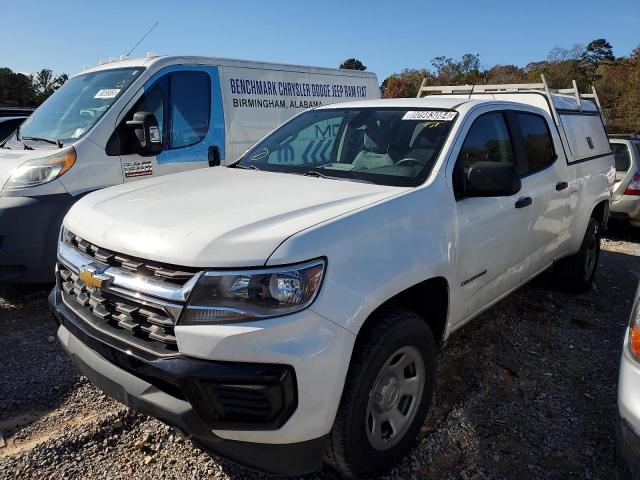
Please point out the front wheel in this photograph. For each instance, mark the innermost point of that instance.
(575, 273)
(386, 396)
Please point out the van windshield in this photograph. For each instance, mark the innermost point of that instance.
(386, 146)
(74, 108)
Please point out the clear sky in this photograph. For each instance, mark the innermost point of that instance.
(386, 35)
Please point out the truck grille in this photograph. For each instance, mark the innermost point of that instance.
(146, 326)
(140, 320)
(132, 264)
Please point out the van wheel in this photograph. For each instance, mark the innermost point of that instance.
(386, 396)
(575, 273)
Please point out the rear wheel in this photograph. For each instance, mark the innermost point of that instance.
(386, 396)
(576, 273)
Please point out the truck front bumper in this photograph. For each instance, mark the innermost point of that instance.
(181, 391)
(29, 229)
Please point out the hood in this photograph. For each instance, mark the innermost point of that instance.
(219, 217)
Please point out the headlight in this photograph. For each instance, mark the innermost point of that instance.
(41, 170)
(634, 330)
(224, 297)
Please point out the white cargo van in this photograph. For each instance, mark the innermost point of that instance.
(283, 307)
(135, 118)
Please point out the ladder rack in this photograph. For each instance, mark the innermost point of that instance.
(542, 88)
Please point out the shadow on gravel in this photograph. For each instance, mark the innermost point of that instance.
(36, 374)
(621, 230)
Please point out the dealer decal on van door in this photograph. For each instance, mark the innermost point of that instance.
(137, 169)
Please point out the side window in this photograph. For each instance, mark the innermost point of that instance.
(487, 141)
(190, 100)
(622, 156)
(537, 142)
(152, 101)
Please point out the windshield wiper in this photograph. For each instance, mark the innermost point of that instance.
(42, 139)
(244, 167)
(315, 173)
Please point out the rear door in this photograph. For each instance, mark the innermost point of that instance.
(546, 178)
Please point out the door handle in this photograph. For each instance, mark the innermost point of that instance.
(561, 185)
(523, 202)
(213, 156)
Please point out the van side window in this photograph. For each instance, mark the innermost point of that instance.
(190, 100)
(152, 101)
(537, 142)
(622, 156)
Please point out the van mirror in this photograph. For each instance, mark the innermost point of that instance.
(147, 133)
(492, 179)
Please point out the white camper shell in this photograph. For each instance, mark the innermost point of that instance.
(137, 118)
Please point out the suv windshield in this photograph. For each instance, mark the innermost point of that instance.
(387, 146)
(75, 107)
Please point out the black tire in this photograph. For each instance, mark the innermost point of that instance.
(575, 273)
(349, 448)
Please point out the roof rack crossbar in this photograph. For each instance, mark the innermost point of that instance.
(426, 90)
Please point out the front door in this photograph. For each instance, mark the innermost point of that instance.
(186, 102)
(492, 243)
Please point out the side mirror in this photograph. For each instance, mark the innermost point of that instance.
(492, 179)
(145, 128)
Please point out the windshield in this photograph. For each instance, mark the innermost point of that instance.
(75, 107)
(387, 146)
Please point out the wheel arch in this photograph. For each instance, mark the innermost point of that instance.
(429, 299)
(601, 213)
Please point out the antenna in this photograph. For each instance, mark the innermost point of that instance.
(471, 92)
(143, 37)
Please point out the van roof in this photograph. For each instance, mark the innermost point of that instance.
(167, 60)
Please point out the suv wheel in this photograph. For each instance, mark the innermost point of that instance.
(386, 396)
(576, 273)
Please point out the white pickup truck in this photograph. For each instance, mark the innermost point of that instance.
(287, 309)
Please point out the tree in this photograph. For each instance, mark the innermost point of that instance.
(598, 52)
(352, 64)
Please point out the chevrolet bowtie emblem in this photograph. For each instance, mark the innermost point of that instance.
(93, 277)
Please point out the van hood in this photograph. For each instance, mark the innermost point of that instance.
(219, 217)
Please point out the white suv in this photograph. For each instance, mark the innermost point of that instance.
(290, 308)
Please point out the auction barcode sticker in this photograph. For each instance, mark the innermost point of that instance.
(436, 115)
(107, 93)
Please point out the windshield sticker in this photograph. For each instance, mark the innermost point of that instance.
(107, 93)
(429, 115)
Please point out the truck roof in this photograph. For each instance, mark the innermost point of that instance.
(448, 103)
(167, 60)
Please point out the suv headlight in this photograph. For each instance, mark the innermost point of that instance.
(241, 296)
(41, 170)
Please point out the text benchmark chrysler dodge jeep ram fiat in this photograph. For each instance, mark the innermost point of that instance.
(289, 309)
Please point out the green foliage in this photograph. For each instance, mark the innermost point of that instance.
(616, 80)
(18, 89)
(352, 64)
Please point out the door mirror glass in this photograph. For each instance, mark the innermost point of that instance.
(492, 179)
(147, 133)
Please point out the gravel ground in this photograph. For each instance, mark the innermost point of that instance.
(528, 390)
